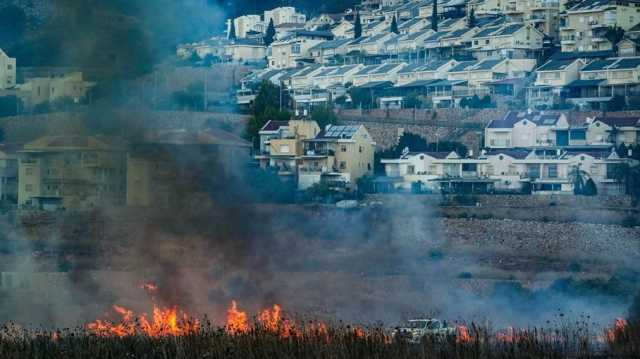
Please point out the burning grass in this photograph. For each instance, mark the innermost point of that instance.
(271, 335)
(169, 332)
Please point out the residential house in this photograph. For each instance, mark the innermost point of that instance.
(72, 171)
(282, 145)
(335, 76)
(8, 175)
(7, 71)
(338, 155)
(552, 79)
(342, 30)
(508, 170)
(430, 71)
(328, 51)
(376, 27)
(412, 25)
(613, 131)
(377, 73)
(407, 43)
(530, 129)
(165, 165)
(478, 73)
(372, 45)
(602, 79)
(437, 172)
(514, 41)
(323, 21)
(628, 47)
(286, 53)
(246, 50)
(583, 26)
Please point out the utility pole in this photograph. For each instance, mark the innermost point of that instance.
(204, 97)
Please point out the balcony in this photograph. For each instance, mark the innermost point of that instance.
(567, 40)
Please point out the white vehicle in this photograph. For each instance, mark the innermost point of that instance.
(415, 330)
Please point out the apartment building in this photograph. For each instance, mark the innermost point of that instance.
(543, 15)
(284, 15)
(72, 171)
(583, 26)
(338, 155)
(248, 24)
(41, 90)
(7, 71)
(613, 131)
(281, 145)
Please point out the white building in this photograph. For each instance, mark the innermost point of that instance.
(7, 71)
(525, 171)
(284, 15)
(247, 24)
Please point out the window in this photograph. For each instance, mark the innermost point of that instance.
(9, 67)
(578, 135)
(360, 149)
(28, 171)
(343, 148)
(411, 169)
(28, 188)
(612, 170)
(295, 49)
(284, 148)
(343, 165)
(469, 167)
(552, 171)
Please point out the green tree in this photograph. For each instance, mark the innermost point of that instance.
(324, 116)
(471, 20)
(434, 16)
(394, 25)
(232, 30)
(265, 107)
(579, 179)
(357, 27)
(614, 34)
(629, 176)
(270, 34)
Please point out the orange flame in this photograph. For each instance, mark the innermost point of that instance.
(236, 320)
(619, 325)
(463, 334)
